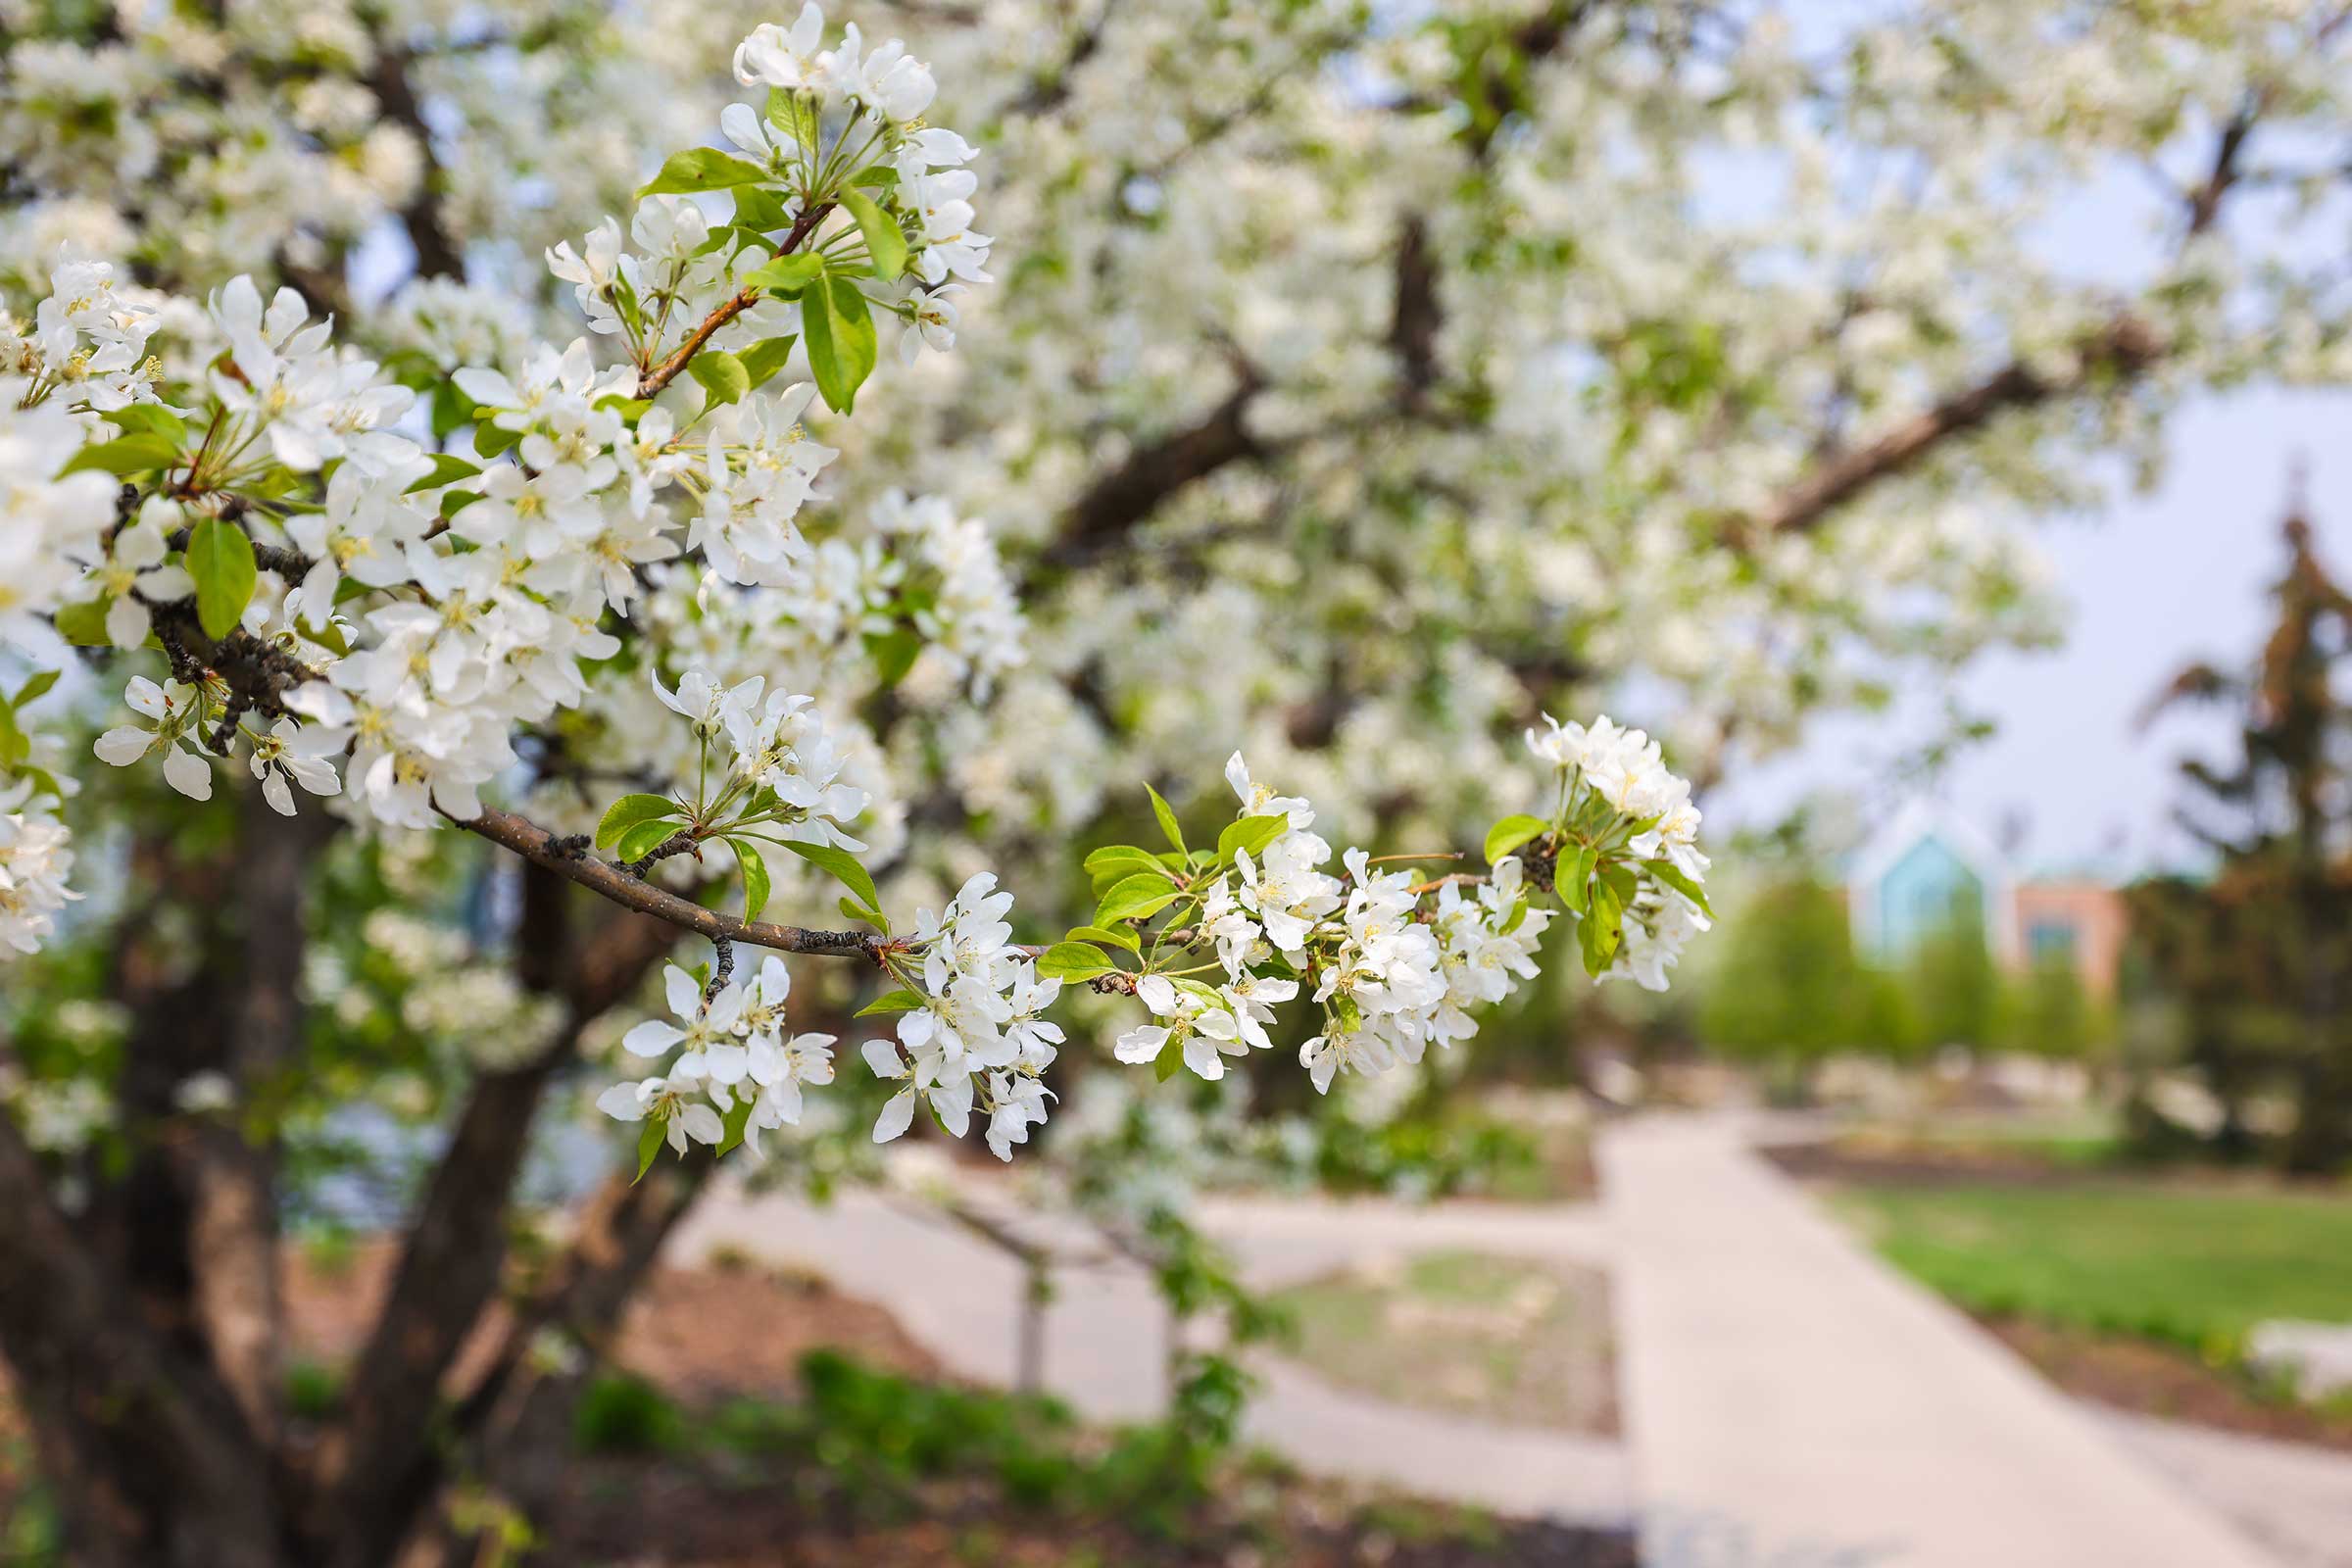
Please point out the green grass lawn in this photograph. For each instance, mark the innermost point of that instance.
(2198, 1268)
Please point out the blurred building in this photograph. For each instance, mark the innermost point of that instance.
(1929, 872)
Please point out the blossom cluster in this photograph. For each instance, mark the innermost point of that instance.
(34, 863)
(349, 604)
(1220, 940)
(737, 1060)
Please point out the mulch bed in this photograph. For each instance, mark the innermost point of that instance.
(2151, 1378)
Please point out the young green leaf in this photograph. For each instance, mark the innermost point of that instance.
(898, 1000)
(764, 359)
(221, 558)
(1251, 836)
(1168, 819)
(1571, 875)
(1138, 898)
(1170, 1060)
(1115, 862)
(794, 113)
(842, 865)
(701, 169)
(894, 652)
(629, 811)
(1073, 961)
(40, 682)
(126, 455)
(1511, 832)
(84, 624)
(643, 839)
(884, 241)
(866, 912)
(649, 1144)
(787, 276)
(722, 376)
(754, 877)
(733, 1124)
(446, 467)
(1118, 936)
(1673, 876)
(839, 327)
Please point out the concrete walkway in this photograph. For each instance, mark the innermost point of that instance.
(1786, 1392)
(1106, 1333)
(2291, 1497)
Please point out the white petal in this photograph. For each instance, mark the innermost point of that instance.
(652, 1038)
(127, 623)
(883, 1057)
(685, 998)
(122, 746)
(187, 773)
(621, 1102)
(703, 1124)
(896, 1116)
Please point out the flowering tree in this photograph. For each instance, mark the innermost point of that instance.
(1348, 392)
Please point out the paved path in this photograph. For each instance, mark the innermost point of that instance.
(1784, 1387)
(1105, 1332)
(2293, 1499)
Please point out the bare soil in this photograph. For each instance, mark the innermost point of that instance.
(2154, 1379)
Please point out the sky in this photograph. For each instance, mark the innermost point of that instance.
(2072, 780)
(2161, 579)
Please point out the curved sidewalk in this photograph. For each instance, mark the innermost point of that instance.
(1787, 1390)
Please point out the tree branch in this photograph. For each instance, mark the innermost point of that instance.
(2123, 349)
(661, 375)
(569, 860)
(382, 1462)
(438, 253)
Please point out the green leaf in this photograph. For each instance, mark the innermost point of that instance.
(630, 811)
(1137, 897)
(1511, 832)
(759, 209)
(1170, 1060)
(150, 418)
(453, 502)
(793, 110)
(861, 912)
(451, 408)
(787, 275)
(842, 865)
(492, 439)
(1665, 871)
(1250, 835)
(1601, 929)
(734, 1122)
(894, 652)
(875, 176)
(898, 1000)
(721, 374)
(1571, 876)
(132, 454)
(644, 838)
(15, 745)
(884, 240)
(839, 327)
(84, 624)
(32, 689)
(1116, 862)
(221, 558)
(1168, 819)
(1118, 935)
(649, 1144)
(762, 359)
(701, 169)
(446, 467)
(1073, 961)
(755, 878)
